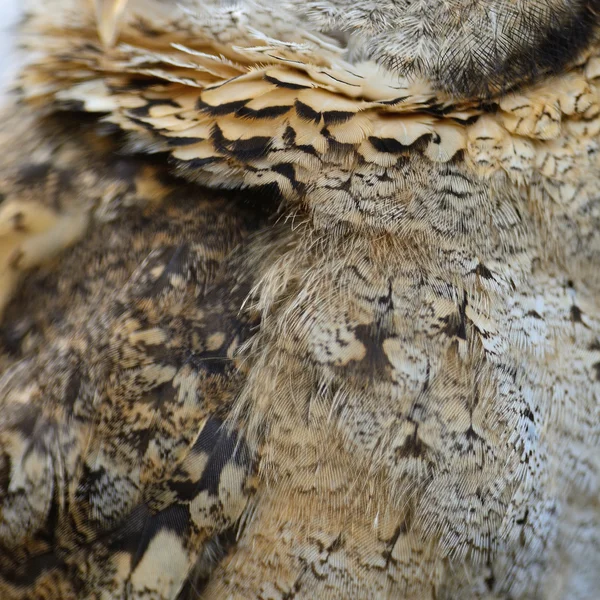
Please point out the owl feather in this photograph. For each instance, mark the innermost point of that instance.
(301, 301)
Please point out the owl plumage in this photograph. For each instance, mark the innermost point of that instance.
(301, 301)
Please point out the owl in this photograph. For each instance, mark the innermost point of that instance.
(301, 300)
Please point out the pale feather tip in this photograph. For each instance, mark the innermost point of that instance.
(109, 14)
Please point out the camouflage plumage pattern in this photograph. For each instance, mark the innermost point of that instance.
(375, 375)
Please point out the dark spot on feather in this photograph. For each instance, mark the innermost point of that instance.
(308, 149)
(337, 544)
(140, 527)
(220, 110)
(456, 323)
(534, 314)
(141, 123)
(158, 397)
(18, 222)
(72, 389)
(306, 113)
(215, 550)
(576, 315)
(244, 150)
(135, 83)
(289, 172)
(335, 117)
(285, 84)
(483, 271)
(176, 142)
(160, 266)
(251, 148)
(71, 105)
(144, 111)
(319, 576)
(206, 441)
(23, 574)
(339, 149)
(524, 518)
(289, 136)
(398, 100)
(127, 537)
(222, 453)
(13, 332)
(126, 169)
(25, 421)
(375, 360)
(490, 582)
(471, 434)
(269, 112)
(33, 173)
(211, 362)
(198, 164)
(389, 145)
(412, 447)
(222, 446)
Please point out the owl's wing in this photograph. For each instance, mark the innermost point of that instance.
(116, 368)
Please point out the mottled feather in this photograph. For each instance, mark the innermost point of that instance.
(286, 318)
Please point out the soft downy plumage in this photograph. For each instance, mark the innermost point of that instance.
(283, 318)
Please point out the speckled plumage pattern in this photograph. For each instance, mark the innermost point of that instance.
(279, 323)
